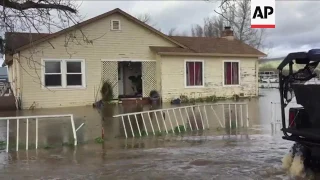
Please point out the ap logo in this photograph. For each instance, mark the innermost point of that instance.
(263, 14)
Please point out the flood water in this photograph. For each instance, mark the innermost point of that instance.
(253, 152)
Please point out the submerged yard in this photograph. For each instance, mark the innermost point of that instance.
(250, 153)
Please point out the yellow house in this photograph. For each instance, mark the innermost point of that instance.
(67, 68)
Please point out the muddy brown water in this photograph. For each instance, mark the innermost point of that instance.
(251, 153)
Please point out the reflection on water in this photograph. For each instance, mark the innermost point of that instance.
(188, 157)
(205, 154)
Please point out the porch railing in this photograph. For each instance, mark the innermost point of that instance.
(37, 118)
(189, 112)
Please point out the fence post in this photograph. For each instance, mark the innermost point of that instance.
(37, 133)
(201, 117)
(224, 116)
(184, 124)
(175, 116)
(124, 127)
(241, 115)
(247, 115)
(164, 123)
(186, 110)
(17, 145)
(135, 116)
(194, 116)
(236, 113)
(170, 121)
(155, 114)
(27, 134)
(205, 112)
(151, 123)
(130, 125)
(8, 130)
(74, 131)
(144, 124)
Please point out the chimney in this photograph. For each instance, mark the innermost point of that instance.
(227, 33)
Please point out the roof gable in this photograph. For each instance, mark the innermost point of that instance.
(46, 37)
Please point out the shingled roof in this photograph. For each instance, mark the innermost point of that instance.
(15, 40)
(19, 41)
(210, 45)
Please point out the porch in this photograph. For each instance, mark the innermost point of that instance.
(132, 80)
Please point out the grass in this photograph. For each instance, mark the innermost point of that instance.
(185, 99)
(99, 140)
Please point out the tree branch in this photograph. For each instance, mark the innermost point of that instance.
(35, 5)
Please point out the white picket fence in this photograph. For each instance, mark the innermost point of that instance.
(36, 118)
(180, 116)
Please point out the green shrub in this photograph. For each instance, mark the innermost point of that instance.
(181, 127)
(106, 91)
(184, 99)
(99, 140)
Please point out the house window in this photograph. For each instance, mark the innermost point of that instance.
(194, 73)
(231, 73)
(53, 75)
(74, 73)
(115, 25)
(64, 73)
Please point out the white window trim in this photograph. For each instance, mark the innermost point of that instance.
(185, 73)
(113, 20)
(239, 73)
(63, 63)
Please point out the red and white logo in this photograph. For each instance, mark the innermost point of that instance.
(263, 14)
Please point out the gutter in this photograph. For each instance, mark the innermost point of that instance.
(210, 54)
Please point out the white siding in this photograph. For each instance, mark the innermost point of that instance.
(173, 72)
(132, 42)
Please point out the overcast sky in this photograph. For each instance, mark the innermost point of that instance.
(297, 22)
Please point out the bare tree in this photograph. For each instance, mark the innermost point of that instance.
(196, 30)
(38, 15)
(42, 16)
(237, 15)
(218, 26)
(175, 32)
(183, 33)
(209, 30)
(172, 31)
(212, 27)
(146, 18)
